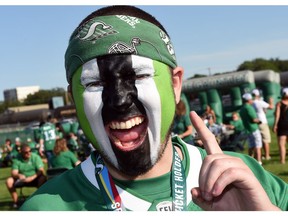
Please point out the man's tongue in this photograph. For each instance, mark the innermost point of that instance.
(127, 137)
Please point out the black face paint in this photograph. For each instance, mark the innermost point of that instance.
(120, 103)
(119, 94)
(135, 162)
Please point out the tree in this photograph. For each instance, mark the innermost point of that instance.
(263, 64)
(44, 96)
(198, 76)
(282, 65)
(6, 104)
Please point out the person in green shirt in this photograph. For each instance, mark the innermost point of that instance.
(47, 140)
(33, 145)
(251, 121)
(125, 82)
(63, 157)
(182, 125)
(16, 146)
(7, 149)
(239, 136)
(72, 142)
(27, 170)
(236, 123)
(59, 130)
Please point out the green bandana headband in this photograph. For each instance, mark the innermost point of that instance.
(119, 34)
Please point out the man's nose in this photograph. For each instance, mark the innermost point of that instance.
(120, 96)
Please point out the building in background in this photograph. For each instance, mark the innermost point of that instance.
(25, 114)
(19, 93)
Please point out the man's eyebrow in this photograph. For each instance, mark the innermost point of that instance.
(142, 68)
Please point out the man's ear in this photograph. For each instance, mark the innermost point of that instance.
(70, 94)
(177, 76)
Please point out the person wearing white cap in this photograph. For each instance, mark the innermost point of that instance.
(261, 106)
(280, 126)
(251, 121)
(16, 147)
(33, 145)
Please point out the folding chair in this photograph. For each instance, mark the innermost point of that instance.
(20, 185)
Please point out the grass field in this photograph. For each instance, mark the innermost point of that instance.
(272, 165)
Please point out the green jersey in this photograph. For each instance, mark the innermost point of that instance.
(248, 113)
(238, 126)
(37, 134)
(65, 159)
(59, 134)
(77, 189)
(27, 167)
(180, 125)
(72, 144)
(48, 134)
(33, 146)
(15, 150)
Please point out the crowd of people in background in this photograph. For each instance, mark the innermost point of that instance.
(253, 114)
(58, 148)
(50, 145)
(247, 125)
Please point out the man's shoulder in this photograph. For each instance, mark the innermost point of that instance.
(35, 157)
(47, 125)
(243, 108)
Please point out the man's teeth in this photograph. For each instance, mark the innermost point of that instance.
(127, 124)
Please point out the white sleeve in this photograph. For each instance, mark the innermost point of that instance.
(264, 104)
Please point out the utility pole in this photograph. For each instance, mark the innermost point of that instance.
(209, 71)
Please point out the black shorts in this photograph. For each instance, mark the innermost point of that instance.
(282, 130)
(35, 183)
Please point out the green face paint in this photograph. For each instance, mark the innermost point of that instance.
(78, 91)
(119, 34)
(164, 86)
(155, 92)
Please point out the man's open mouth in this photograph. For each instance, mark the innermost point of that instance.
(129, 134)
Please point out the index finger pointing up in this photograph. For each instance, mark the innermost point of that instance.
(207, 137)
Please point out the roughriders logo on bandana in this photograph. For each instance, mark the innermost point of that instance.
(107, 35)
(92, 31)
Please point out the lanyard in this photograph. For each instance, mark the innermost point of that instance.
(107, 186)
(113, 199)
(178, 184)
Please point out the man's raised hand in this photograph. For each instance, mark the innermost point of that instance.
(225, 182)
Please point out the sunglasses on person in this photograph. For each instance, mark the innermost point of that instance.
(26, 152)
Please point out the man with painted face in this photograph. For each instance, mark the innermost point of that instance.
(125, 82)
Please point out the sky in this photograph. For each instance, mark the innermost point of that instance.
(207, 39)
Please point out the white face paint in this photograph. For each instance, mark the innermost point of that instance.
(92, 98)
(146, 91)
(147, 94)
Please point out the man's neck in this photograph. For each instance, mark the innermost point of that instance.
(162, 167)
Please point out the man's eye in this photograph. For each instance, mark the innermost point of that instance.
(142, 76)
(95, 84)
